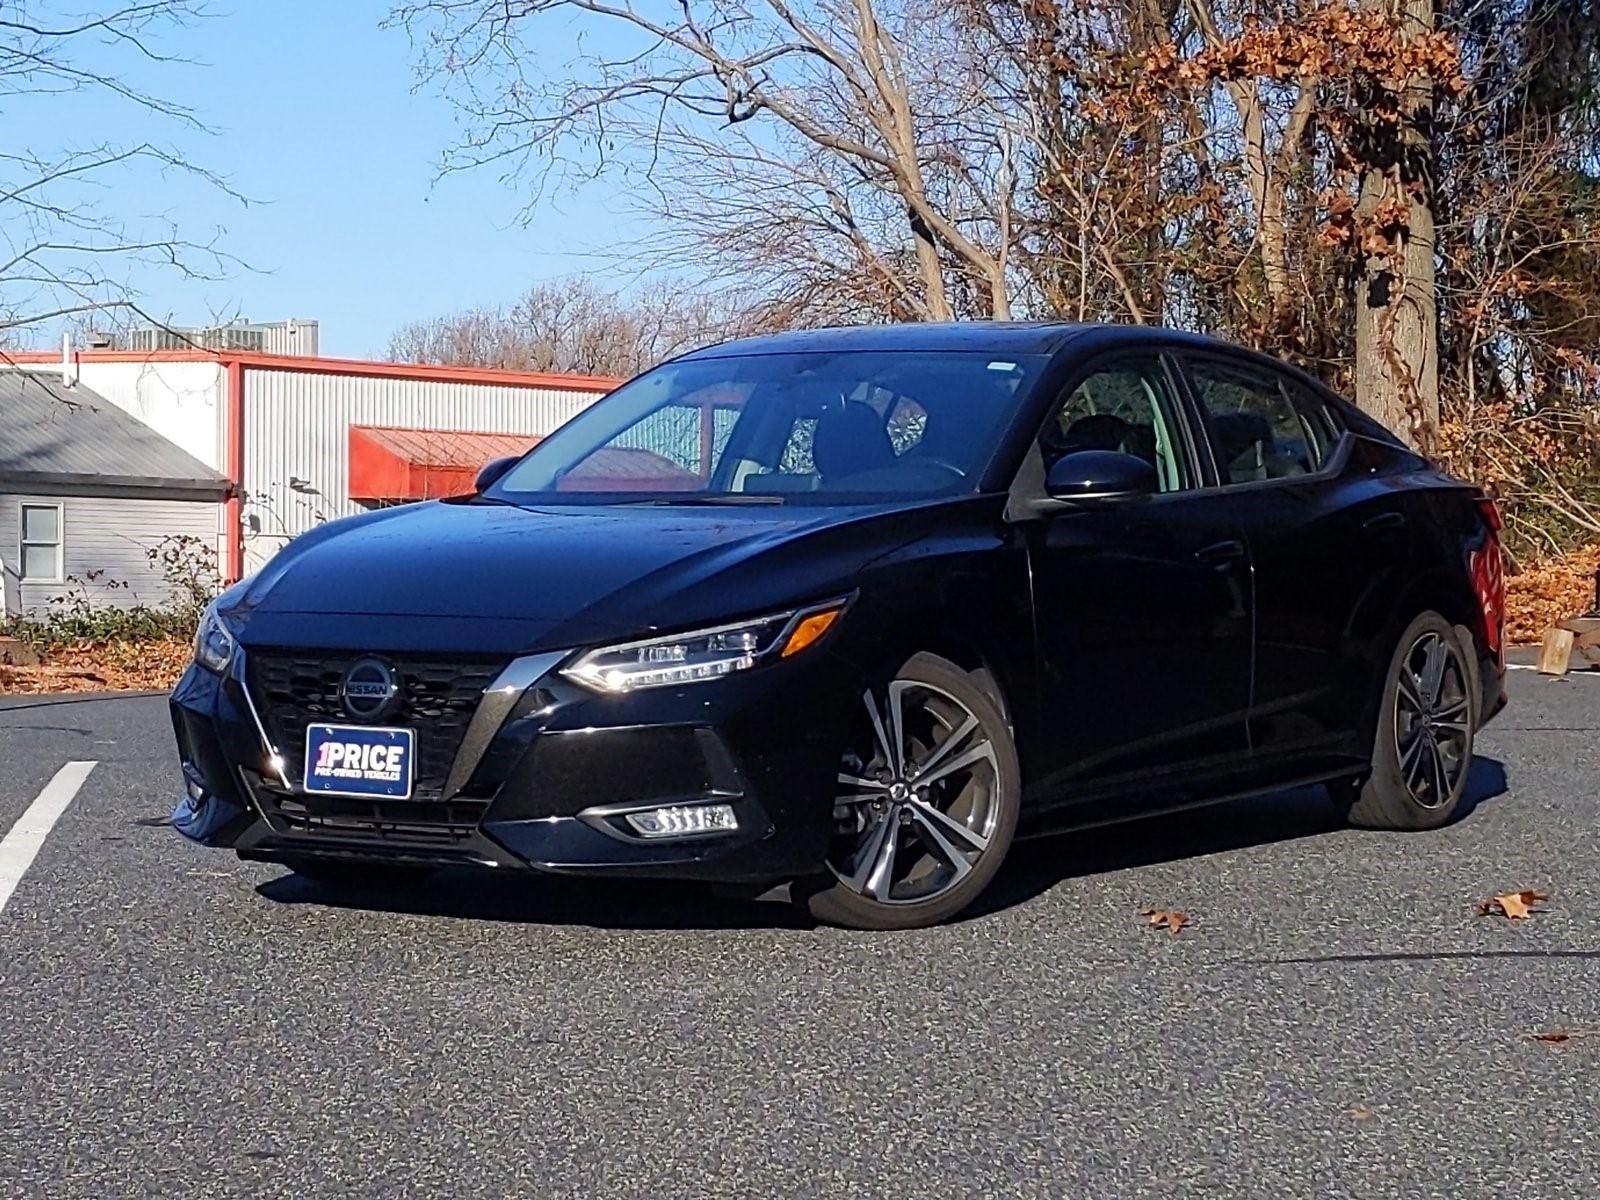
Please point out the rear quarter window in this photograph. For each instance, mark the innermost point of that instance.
(1264, 424)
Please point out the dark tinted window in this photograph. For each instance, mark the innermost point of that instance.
(1322, 425)
(1126, 407)
(1263, 426)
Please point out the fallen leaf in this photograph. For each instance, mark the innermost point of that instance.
(1360, 1112)
(1173, 919)
(1515, 906)
(1561, 1035)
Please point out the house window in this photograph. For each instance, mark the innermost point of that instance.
(41, 556)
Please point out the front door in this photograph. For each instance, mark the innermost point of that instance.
(1143, 605)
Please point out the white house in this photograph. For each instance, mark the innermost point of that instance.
(87, 494)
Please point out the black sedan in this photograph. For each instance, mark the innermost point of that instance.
(852, 610)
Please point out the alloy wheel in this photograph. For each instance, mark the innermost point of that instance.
(920, 799)
(1433, 715)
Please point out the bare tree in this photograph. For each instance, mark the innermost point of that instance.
(66, 245)
(1262, 171)
(868, 118)
(1402, 195)
(570, 326)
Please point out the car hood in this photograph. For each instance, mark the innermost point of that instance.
(502, 577)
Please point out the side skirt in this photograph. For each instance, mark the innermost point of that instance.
(1115, 811)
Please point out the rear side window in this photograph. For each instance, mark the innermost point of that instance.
(1263, 425)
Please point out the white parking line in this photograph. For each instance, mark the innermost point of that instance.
(19, 847)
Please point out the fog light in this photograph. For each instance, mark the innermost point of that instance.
(683, 820)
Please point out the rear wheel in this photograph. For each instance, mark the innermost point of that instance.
(926, 805)
(1423, 747)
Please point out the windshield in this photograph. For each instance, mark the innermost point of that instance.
(783, 428)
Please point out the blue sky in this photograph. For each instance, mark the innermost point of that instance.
(316, 122)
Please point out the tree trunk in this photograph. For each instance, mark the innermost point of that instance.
(935, 299)
(1266, 189)
(1396, 303)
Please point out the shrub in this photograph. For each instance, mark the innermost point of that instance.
(188, 566)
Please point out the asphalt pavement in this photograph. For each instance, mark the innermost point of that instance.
(1337, 1021)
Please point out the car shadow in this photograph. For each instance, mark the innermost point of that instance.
(660, 905)
(1032, 868)
(1486, 781)
(1035, 866)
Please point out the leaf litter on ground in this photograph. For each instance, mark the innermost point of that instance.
(1514, 906)
(1172, 919)
(1561, 1035)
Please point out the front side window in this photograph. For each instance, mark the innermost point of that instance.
(784, 428)
(41, 551)
(1258, 432)
(1129, 408)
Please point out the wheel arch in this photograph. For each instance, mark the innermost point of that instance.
(970, 655)
(1377, 627)
(973, 630)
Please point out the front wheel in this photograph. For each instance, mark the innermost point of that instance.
(926, 805)
(1423, 747)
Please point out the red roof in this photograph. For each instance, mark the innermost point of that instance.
(424, 464)
(447, 447)
(627, 469)
(421, 464)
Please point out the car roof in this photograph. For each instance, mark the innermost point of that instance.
(1007, 338)
(979, 337)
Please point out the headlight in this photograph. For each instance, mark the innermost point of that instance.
(213, 644)
(704, 653)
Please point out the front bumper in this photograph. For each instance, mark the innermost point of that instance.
(542, 773)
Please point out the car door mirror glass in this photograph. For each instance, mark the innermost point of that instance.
(1099, 475)
(492, 471)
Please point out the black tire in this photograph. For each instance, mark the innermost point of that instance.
(956, 849)
(1422, 750)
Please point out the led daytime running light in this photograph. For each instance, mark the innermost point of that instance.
(703, 654)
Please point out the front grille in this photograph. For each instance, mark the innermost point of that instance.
(435, 831)
(437, 699)
(390, 820)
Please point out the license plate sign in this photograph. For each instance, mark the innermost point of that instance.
(359, 760)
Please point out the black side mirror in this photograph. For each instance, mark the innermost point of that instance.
(1099, 475)
(493, 470)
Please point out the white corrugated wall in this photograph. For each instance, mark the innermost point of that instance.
(296, 437)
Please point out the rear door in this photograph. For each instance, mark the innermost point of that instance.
(1142, 604)
(1327, 540)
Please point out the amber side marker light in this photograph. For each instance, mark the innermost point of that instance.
(809, 630)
